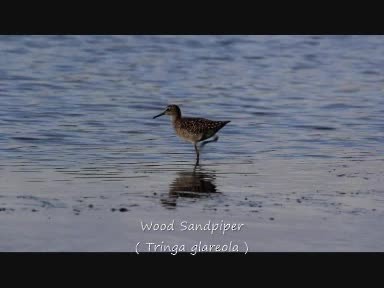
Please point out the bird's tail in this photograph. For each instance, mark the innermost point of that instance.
(224, 123)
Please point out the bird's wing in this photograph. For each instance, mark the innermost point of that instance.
(200, 125)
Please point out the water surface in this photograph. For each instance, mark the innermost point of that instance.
(305, 140)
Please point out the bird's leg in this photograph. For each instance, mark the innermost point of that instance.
(206, 142)
(197, 154)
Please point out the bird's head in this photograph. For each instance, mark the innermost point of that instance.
(172, 110)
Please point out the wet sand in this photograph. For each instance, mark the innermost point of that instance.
(283, 206)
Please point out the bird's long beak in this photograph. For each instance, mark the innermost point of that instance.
(161, 114)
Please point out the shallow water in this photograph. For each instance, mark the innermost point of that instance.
(305, 138)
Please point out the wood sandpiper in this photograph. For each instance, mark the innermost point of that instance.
(193, 130)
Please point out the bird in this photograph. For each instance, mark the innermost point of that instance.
(193, 129)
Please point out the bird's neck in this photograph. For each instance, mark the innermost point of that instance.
(176, 117)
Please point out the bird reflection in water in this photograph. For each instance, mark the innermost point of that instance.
(197, 183)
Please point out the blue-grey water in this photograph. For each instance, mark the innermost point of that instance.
(305, 138)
